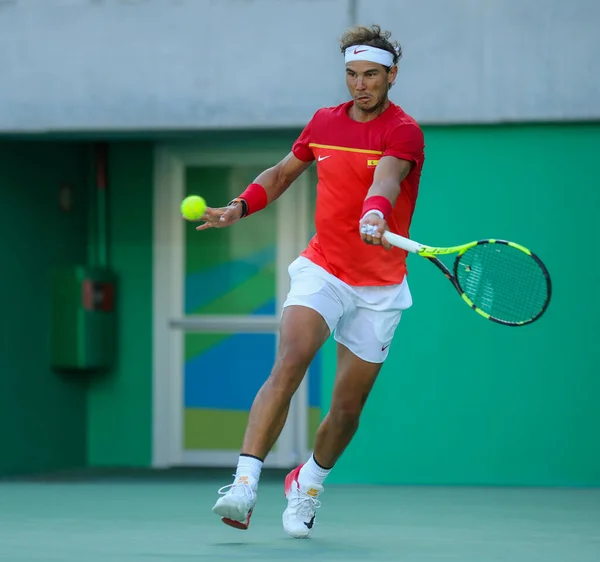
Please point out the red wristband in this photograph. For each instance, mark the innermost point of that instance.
(256, 198)
(377, 203)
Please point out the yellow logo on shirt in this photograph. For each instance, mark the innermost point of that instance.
(372, 163)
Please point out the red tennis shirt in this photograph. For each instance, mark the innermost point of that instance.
(347, 153)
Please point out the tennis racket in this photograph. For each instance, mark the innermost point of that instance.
(500, 280)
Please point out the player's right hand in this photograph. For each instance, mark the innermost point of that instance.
(372, 228)
(220, 217)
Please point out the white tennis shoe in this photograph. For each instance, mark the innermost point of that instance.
(299, 516)
(237, 503)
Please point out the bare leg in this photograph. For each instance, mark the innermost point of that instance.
(303, 331)
(353, 383)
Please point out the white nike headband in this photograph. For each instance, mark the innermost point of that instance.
(368, 53)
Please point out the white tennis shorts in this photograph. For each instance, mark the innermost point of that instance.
(364, 319)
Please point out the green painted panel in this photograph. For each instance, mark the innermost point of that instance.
(218, 430)
(462, 400)
(120, 404)
(42, 415)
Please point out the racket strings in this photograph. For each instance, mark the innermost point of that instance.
(503, 281)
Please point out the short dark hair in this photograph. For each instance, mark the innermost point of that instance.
(372, 36)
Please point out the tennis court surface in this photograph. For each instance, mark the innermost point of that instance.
(149, 516)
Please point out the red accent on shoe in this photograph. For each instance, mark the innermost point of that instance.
(243, 525)
(291, 478)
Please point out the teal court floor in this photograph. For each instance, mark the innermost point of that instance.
(160, 517)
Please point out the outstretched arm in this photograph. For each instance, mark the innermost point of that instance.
(266, 188)
(277, 179)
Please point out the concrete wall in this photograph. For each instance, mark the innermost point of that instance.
(495, 60)
(77, 65)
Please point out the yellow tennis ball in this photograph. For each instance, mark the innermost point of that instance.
(193, 207)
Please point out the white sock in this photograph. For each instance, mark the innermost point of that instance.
(249, 466)
(311, 473)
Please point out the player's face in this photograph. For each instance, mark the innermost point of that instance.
(368, 84)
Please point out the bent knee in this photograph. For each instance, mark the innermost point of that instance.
(289, 370)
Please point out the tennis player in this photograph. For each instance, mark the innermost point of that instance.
(348, 281)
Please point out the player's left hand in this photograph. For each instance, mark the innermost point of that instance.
(371, 228)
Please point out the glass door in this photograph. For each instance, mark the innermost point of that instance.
(217, 301)
(230, 296)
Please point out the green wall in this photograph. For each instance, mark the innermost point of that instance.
(462, 400)
(120, 404)
(119, 417)
(42, 415)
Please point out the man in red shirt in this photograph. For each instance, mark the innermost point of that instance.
(349, 281)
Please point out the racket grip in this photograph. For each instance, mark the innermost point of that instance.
(401, 242)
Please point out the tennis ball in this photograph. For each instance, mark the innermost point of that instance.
(193, 207)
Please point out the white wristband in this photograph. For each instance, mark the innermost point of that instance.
(376, 211)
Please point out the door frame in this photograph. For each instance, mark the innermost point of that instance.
(169, 322)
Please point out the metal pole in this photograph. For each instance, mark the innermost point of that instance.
(101, 184)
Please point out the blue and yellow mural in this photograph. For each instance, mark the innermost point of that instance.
(229, 271)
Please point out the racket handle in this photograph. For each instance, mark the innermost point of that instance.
(401, 242)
